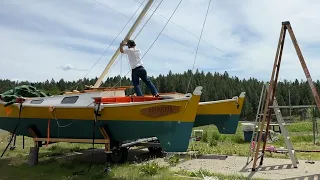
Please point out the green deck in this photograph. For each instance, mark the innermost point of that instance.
(226, 124)
(173, 136)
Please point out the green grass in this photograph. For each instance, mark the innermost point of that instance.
(13, 165)
(215, 143)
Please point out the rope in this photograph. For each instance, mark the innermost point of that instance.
(170, 37)
(55, 118)
(15, 129)
(188, 31)
(203, 176)
(110, 43)
(148, 19)
(120, 68)
(96, 114)
(195, 57)
(137, 36)
(154, 40)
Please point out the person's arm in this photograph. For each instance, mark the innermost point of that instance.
(121, 47)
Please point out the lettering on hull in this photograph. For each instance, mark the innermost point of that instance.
(161, 110)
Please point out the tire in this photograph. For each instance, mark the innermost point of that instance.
(155, 150)
(119, 156)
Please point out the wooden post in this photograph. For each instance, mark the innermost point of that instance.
(314, 125)
(273, 93)
(33, 156)
(304, 66)
(269, 99)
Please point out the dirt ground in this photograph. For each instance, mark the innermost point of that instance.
(272, 168)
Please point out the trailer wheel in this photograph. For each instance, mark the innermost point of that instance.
(119, 155)
(155, 150)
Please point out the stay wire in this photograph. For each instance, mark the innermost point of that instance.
(193, 68)
(137, 36)
(188, 31)
(195, 57)
(154, 40)
(96, 115)
(15, 129)
(110, 43)
(169, 36)
(148, 18)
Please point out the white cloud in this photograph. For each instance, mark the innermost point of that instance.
(60, 39)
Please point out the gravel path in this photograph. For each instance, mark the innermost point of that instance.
(271, 169)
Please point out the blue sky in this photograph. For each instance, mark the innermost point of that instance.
(64, 38)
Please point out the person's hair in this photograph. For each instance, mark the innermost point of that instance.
(131, 43)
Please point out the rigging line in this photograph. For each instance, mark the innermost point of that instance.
(170, 37)
(114, 65)
(148, 19)
(154, 40)
(111, 42)
(141, 30)
(195, 57)
(112, 8)
(167, 35)
(187, 31)
(120, 67)
(194, 50)
(148, 11)
(115, 37)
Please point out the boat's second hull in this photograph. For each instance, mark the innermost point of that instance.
(226, 123)
(225, 114)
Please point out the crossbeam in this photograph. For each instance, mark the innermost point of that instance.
(106, 141)
(294, 107)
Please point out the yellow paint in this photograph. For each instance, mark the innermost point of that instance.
(221, 107)
(8, 110)
(124, 113)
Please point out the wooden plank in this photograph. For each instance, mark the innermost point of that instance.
(294, 107)
(102, 141)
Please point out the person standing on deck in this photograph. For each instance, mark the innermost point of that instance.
(138, 71)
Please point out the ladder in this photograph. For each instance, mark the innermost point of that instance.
(285, 134)
(258, 116)
(286, 26)
(281, 122)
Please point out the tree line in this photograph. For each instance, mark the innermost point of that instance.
(216, 86)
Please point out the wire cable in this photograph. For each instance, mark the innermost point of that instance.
(110, 43)
(195, 57)
(153, 41)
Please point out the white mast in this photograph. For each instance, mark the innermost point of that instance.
(133, 28)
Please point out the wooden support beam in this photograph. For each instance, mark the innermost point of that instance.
(100, 141)
(294, 107)
(105, 141)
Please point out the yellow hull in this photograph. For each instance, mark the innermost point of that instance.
(118, 112)
(170, 120)
(229, 106)
(225, 114)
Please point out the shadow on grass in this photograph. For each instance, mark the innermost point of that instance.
(58, 162)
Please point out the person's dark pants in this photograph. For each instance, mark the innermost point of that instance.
(140, 72)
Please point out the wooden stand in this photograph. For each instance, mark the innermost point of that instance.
(33, 156)
(106, 140)
(273, 84)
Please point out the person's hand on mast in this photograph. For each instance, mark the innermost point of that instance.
(121, 46)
